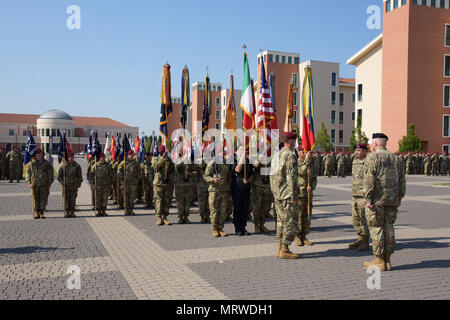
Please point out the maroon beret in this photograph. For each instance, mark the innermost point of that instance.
(290, 135)
(37, 151)
(130, 152)
(162, 149)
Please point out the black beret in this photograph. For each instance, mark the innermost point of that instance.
(379, 136)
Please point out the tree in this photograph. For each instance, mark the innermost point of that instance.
(148, 145)
(169, 145)
(323, 140)
(411, 142)
(358, 136)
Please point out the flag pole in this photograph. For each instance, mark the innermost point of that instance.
(95, 182)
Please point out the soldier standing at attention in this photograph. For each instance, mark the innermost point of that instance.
(40, 177)
(443, 164)
(100, 179)
(184, 191)
(218, 176)
(285, 192)
(148, 180)
(307, 182)
(129, 172)
(164, 170)
(358, 202)
(2, 164)
(261, 196)
(88, 173)
(14, 162)
(70, 178)
(384, 189)
(427, 164)
(340, 165)
(435, 164)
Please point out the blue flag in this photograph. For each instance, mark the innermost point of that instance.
(125, 148)
(62, 148)
(154, 147)
(141, 152)
(30, 149)
(119, 152)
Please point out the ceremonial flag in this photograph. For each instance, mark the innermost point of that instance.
(166, 101)
(29, 149)
(247, 99)
(154, 148)
(266, 115)
(141, 151)
(137, 145)
(206, 105)
(289, 108)
(119, 151)
(62, 148)
(230, 120)
(113, 148)
(185, 97)
(69, 150)
(107, 146)
(308, 138)
(125, 145)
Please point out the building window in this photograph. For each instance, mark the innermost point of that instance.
(442, 4)
(277, 58)
(295, 116)
(259, 60)
(447, 66)
(388, 6)
(296, 60)
(47, 132)
(353, 97)
(270, 57)
(333, 117)
(54, 130)
(341, 136)
(218, 112)
(219, 88)
(224, 101)
(24, 133)
(333, 135)
(224, 113)
(433, 3)
(295, 80)
(341, 99)
(333, 98)
(265, 58)
(218, 100)
(446, 126)
(360, 92)
(403, 2)
(333, 78)
(446, 96)
(294, 98)
(218, 124)
(11, 133)
(353, 116)
(289, 60)
(446, 148)
(283, 59)
(395, 4)
(447, 35)
(341, 117)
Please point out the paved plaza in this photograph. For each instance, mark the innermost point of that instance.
(132, 258)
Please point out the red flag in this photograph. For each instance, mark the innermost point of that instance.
(137, 145)
(113, 149)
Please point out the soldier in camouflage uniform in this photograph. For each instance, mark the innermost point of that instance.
(70, 178)
(129, 173)
(202, 195)
(307, 182)
(100, 179)
(261, 195)
(409, 164)
(164, 171)
(329, 165)
(443, 164)
(15, 164)
(2, 164)
(149, 175)
(118, 184)
(88, 174)
(435, 164)
(184, 190)
(427, 164)
(218, 177)
(384, 188)
(340, 165)
(284, 186)
(39, 177)
(358, 202)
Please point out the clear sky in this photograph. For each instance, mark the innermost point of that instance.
(112, 66)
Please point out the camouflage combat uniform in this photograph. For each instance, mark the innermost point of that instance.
(101, 176)
(40, 174)
(384, 188)
(284, 187)
(341, 165)
(88, 173)
(261, 196)
(149, 175)
(435, 164)
(70, 178)
(217, 193)
(443, 164)
(3, 165)
(164, 171)
(184, 191)
(15, 165)
(427, 165)
(203, 196)
(129, 172)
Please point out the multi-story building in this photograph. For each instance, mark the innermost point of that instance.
(334, 100)
(412, 59)
(47, 129)
(284, 68)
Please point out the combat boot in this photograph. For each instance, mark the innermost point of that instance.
(104, 213)
(167, 222)
(72, 214)
(99, 213)
(285, 253)
(222, 233)
(257, 228)
(36, 215)
(66, 214)
(387, 259)
(187, 221)
(202, 219)
(305, 241)
(357, 243)
(279, 249)
(298, 242)
(215, 232)
(41, 215)
(264, 229)
(378, 263)
(159, 222)
(364, 246)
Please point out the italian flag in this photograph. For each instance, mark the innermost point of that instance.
(247, 99)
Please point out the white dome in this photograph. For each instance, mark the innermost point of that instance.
(56, 115)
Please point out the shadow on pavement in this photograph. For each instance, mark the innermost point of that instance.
(428, 264)
(29, 250)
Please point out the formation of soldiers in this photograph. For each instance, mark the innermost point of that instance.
(425, 163)
(11, 165)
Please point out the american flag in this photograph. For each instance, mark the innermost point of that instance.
(266, 117)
